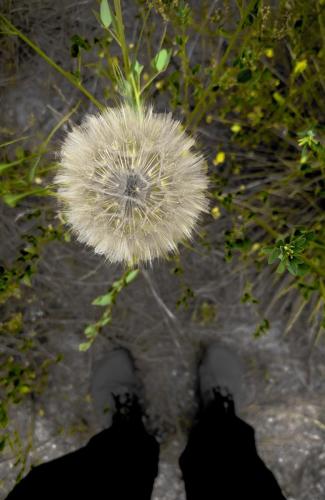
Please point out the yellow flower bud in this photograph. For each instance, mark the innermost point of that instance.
(215, 212)
(235, 128)
(269, 53)
(220, 158)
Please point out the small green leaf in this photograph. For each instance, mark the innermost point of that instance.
(262, 328)
(84, 346)
(138, 68)
(12, 199)
(24, 389)
(103, 300)
(118, 285)
(104, 321)
(292, 266)
(267, 250)
(278, 98)
(105, 13)
(161, 60)
(91, 331)
(131, 276)
(302, 269)
(26, 280)
(77, 43)
(299, 244)
(125, 88)
(5, 166)
(273, 255)
(281, 268)
(309, 236)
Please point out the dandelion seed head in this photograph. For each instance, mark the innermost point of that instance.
(130, 184)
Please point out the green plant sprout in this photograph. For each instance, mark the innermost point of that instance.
(107, 301)
(289, 252)
(128, 78)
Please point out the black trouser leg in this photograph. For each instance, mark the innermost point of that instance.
(220, 461)
(119, 463)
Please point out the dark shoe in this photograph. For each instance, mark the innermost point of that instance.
(221, 377)
(115, 387)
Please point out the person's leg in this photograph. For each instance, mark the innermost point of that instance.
(120, 462)
(220, 461)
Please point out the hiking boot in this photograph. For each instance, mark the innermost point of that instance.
(115, 387)
(221, 376)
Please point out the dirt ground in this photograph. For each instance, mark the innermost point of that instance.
(284, 372)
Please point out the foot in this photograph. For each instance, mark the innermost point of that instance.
(221, 377)
(115, 387)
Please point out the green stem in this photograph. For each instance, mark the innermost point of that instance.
(149, 82)
(129, 76)
(43, 147)
(5, 166)
(67, 75)
(145, 19)
(136, 91)
(8, 143)
(121, 37)
(114, 36)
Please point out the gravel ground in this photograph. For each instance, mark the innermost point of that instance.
(284, 371)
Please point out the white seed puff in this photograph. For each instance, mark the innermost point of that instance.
(130, 185)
